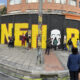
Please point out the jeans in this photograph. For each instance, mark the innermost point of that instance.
(70, 47)
(47, 50)
(74, 75)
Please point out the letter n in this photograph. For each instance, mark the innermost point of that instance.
(5, 32)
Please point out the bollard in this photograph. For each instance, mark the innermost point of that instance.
(40, 57)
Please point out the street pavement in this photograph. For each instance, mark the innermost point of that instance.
(56, 60)
(5, 77)
(52, 63)
(20, 60)
(62, 56)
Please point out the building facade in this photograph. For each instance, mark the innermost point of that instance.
(60, 19)
(53, 25)
(53, 6)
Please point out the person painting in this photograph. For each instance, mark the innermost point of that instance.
(73, 64)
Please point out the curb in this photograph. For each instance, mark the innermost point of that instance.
(38, 75)
(13, 72)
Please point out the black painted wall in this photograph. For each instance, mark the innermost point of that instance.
(53, 21)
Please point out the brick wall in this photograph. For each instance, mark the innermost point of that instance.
(46, 6)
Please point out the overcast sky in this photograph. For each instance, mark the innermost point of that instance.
(3, 2)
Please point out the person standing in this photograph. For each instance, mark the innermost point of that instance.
(64, 43)
(23, 39)
(13, 41)
(55, 43)
(73, 64)
(10, 41)
(70, 44)
(27, 39)
(48, 46)
(29, 43)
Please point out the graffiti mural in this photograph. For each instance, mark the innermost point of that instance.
(74, 34)
(21, 28)
(53, 25)
(55, 34)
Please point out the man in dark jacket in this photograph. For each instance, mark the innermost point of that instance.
(73, 64)
(48, 46)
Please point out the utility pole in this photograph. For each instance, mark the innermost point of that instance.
(40, 18)
(39, 31)
(0, 26)
(13, 27)
(40, 13)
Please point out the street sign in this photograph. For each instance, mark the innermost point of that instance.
(40, 19)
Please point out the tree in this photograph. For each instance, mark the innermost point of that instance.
(3, 11)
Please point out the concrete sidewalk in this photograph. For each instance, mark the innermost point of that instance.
(57, 61)
(19, 60)
(52, 63)
(18, 57)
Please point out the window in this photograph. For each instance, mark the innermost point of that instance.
(72, 2)
(17, 1)
(31, 1)
(79, 4)
(12, 2)
(49, 0)
(60, 1)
